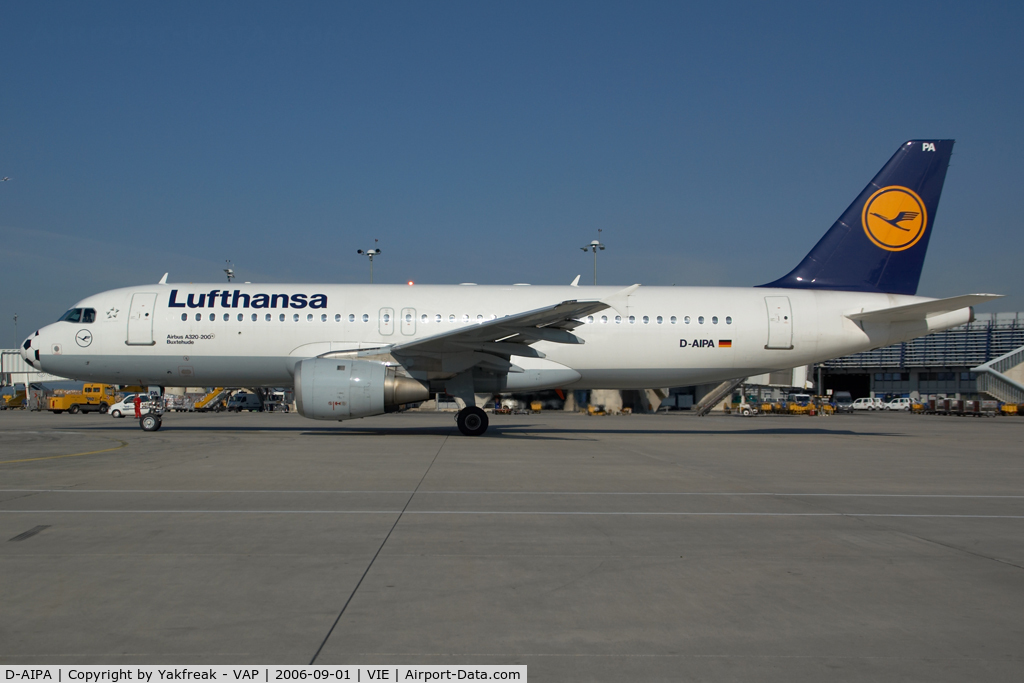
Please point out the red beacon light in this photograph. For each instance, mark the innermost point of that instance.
(410, 283)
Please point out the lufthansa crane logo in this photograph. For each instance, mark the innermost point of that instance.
(83, 338)
(894, 218)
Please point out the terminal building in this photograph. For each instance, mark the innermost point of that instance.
(941, 363)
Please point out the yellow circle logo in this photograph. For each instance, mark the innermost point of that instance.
(894, 218)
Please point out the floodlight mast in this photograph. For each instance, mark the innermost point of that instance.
(594, 246)
(230, 270)
(371, 253)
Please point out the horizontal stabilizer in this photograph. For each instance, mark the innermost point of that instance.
(922, 310)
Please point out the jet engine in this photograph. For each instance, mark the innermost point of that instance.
(343, 389)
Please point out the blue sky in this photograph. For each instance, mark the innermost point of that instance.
(486, 142)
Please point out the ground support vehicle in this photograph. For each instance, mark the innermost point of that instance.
(93, 398)
(245, 401)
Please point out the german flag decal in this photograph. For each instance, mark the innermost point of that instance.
(725, 343)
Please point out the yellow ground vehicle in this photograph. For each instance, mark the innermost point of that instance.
(93, 398)
(11, 401)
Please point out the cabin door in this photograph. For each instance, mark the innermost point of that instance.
(140, 319)
(780, 322)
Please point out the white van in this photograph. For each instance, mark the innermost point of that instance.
(864, 404)
(898, 404)
(245, 401)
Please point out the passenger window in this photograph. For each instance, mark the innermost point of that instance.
(295, 317)
(226, 317)
(423, 318)
(387, 318)
(632, 319)
(267, 319)
(213, 316)
(700, 320)
(184, 316)
(465, 317)
(366, 318)
(479, 318)
(672, 320)
(590, 319)
(280, 318)
(728, 320)
(714, 320)
(451, 318)
(199, 316)
(646, 320)
(309, 317)
(351, 317)
(604, 318)
(618, 319)
(323, 317)
(337, 317)
(89, 315)
(660, 320)
(437, 318)
(408, 317)
(254, 317)
(240, 317)
(686, 320)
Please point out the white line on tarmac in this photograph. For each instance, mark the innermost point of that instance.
(498, 512)
(535, 493)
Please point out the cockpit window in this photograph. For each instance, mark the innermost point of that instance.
(80, 315)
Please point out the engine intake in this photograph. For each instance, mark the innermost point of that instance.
(344, 389)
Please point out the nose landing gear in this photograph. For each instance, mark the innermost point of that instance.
(150, 423)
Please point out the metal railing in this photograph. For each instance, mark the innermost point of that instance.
(993, 382)
(713, 397)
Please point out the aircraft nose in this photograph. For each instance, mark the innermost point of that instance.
(30, 350)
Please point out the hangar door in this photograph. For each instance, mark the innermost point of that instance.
(780, 322)
(140, 319)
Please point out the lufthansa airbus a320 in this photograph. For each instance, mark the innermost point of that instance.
(354, 351)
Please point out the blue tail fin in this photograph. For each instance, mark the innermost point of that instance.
(878, 244)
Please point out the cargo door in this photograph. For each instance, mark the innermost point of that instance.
(386, 321)
(408, 321)
(780, 322)
(140, 319)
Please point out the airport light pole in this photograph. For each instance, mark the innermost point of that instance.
(229, 271)
(16, 340)
(371, 253)
(595, 246)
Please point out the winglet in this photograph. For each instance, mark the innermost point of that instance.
(576, 282)
(620, 299)
(163, 280)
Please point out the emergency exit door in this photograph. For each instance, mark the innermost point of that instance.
(140, 319)
(780, 322)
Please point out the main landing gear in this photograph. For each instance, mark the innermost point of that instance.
(472, 421)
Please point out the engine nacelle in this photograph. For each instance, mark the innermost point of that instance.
(343, 389)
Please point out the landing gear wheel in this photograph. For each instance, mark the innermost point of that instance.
(150, 423)
(472, 421)
(74, 409)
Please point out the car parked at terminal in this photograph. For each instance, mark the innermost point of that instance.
(843, 401)
(865, 404)
(898, 404)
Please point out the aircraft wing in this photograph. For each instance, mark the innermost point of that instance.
(922, 310)
(510, 335)
(491, 343)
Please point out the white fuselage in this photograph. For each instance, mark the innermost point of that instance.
(656, 337)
